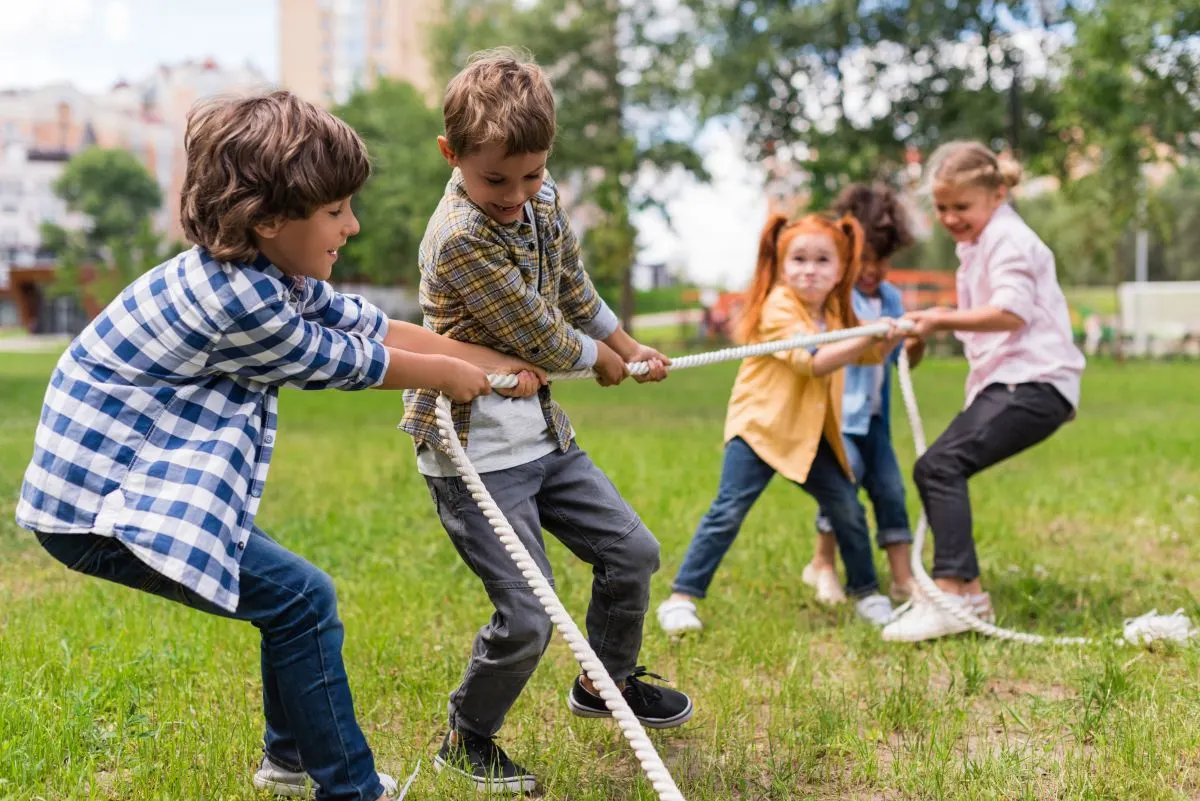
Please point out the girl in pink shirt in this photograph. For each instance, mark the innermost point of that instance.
(1024, 374)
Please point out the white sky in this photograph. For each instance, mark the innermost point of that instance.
(94, 43)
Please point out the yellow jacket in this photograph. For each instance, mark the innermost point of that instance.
(777, 405)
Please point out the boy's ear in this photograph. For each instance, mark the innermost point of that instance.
(447, 153)
(269, 230)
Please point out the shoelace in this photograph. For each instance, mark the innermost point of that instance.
(492, 754)
(645, 692)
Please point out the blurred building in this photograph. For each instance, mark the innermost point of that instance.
(42, 128)
(329, 48)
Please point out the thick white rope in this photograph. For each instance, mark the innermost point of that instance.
(726, 354)
(631, 727)
(1139, 630)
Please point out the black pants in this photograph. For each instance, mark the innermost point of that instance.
(1003, 420)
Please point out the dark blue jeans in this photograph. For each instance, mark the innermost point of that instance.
(744, 476)
(873, 460)
(310, 723)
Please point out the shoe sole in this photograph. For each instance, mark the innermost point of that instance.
(516, 784)
(284, 789)
(650, 723)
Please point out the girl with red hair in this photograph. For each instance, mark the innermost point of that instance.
(785, 410)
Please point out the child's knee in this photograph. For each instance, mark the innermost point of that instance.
(527, 629)
(931, 467)
(637, 553)
(321, 594)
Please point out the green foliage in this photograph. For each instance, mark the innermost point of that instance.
(1130, 99)
(119, 196)
(842, 88)
(100, 280)
(113, 188)
(407, 179)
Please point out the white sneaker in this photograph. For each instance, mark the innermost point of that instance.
(876, 609)
(825, 582)
(924, 621)
(678, 617)
(298, 784)
(981, 607)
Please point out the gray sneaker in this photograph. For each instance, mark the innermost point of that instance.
(286, 783)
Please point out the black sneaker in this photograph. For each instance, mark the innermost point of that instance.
(484, 763)
(655, 707)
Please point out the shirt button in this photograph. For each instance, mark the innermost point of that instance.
(531, 246)
(241, 546)
(269, 439)
(256, 492)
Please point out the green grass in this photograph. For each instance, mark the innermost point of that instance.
(109, 694)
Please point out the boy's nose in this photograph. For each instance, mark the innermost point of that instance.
(353, 227)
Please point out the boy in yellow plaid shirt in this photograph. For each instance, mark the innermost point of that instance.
(500, 267)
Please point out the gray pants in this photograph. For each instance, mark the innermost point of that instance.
(568, 495)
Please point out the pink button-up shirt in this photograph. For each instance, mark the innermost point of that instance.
(1010, 267)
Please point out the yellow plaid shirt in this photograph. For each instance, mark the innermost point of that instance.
(496, 285)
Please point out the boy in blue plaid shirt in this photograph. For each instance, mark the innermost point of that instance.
(500, 267)
(159, 422)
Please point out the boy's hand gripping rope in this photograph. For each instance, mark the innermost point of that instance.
(631, 727)
(1139, 630)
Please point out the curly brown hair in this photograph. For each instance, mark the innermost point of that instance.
(261, 159)
(882, 216)
(500, 96)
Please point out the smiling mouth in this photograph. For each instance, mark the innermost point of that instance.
(508, 209)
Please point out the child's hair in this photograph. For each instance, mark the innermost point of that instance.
(260, 159)
(500, 96)
(882, 216)
(963, 164)
(847, 238)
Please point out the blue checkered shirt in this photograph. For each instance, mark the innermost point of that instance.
(159, 422)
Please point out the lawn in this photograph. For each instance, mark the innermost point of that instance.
(109, 694)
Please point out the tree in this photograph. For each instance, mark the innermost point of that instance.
(119, 196)
(126, 258)
(842, 89)
(1131, 99)
(407, 180)
(112, 188)
(599, 150)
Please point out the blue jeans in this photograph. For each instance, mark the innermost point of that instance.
(873, 460)
(310, 723)
(744, 476)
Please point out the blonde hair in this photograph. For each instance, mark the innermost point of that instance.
(500, 96)
(847, 236)
(964, 163)
(261, 159)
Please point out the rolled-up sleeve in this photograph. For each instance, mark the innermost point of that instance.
(275, 344)
(1014, 285)
(777, 323)
(491, 286)
(325, 305)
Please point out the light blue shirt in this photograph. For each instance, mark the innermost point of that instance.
(861, 379)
